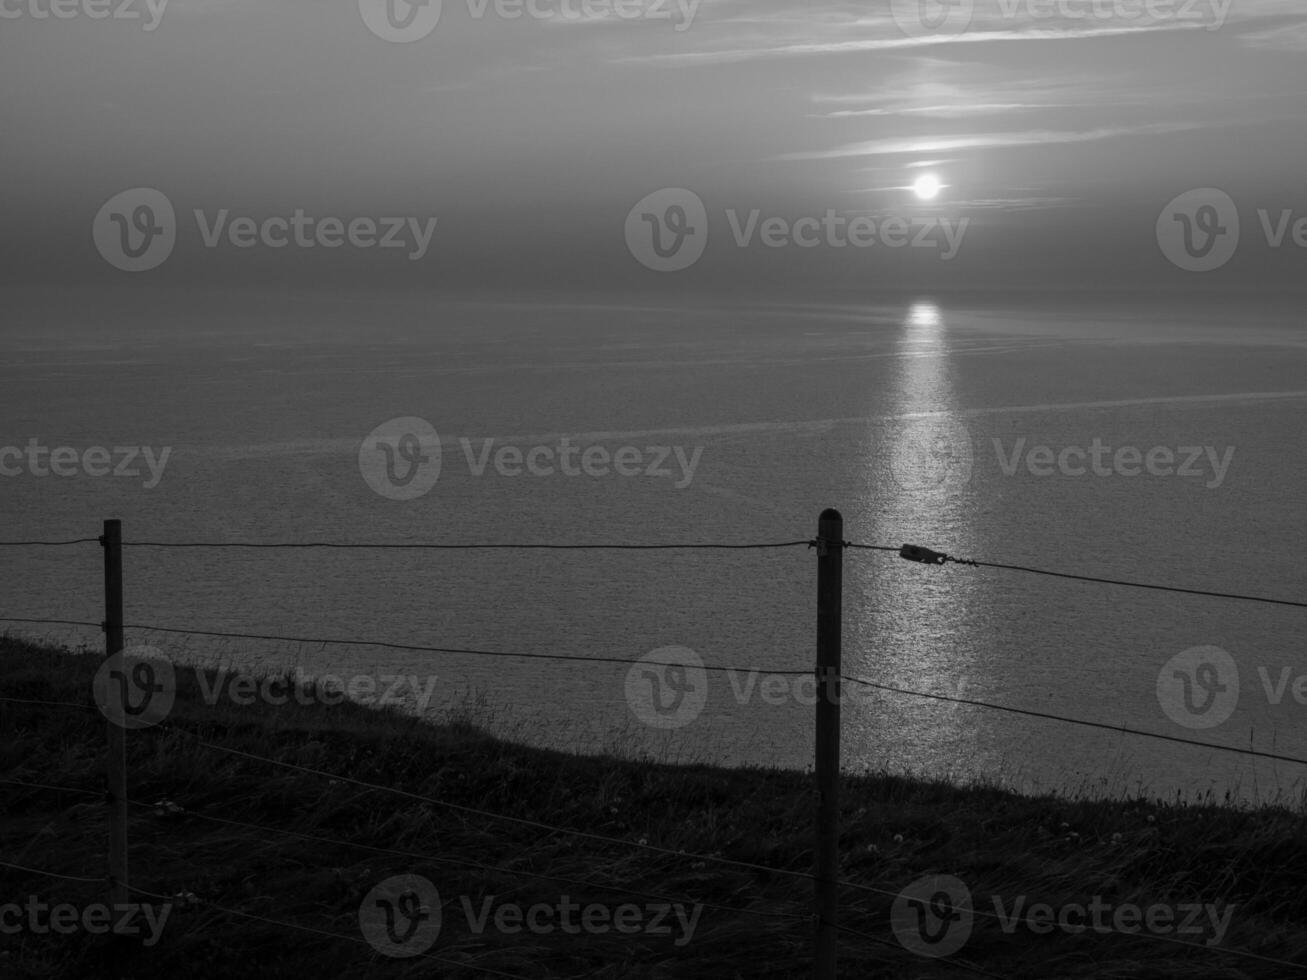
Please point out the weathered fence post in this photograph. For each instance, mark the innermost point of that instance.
(830, 589)
(116, 764)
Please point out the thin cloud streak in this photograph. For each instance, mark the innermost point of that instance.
(950, 111)
(888, 147)
(1292, 37)
(808, 49)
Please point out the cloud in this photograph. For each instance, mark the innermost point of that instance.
(953, 111)
(1290, 37)
(973, 141)
(894, 42)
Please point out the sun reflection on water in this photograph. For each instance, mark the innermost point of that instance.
(906, 626)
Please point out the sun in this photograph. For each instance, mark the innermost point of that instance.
(926, 187)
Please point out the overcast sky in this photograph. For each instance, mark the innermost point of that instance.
(1059, 132)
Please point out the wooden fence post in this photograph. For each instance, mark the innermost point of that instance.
(116, 771)
(830, 588)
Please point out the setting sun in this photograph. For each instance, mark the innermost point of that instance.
(926, 187)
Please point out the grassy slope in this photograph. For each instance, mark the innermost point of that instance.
(895, 830)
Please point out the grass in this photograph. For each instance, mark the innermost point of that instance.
(221, 829)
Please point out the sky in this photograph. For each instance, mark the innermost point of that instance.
(1061, 136)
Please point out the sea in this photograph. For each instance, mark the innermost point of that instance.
(1131, 439)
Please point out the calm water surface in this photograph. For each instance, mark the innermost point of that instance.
(907, 417)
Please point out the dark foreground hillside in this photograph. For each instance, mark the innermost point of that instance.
(266, 868)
